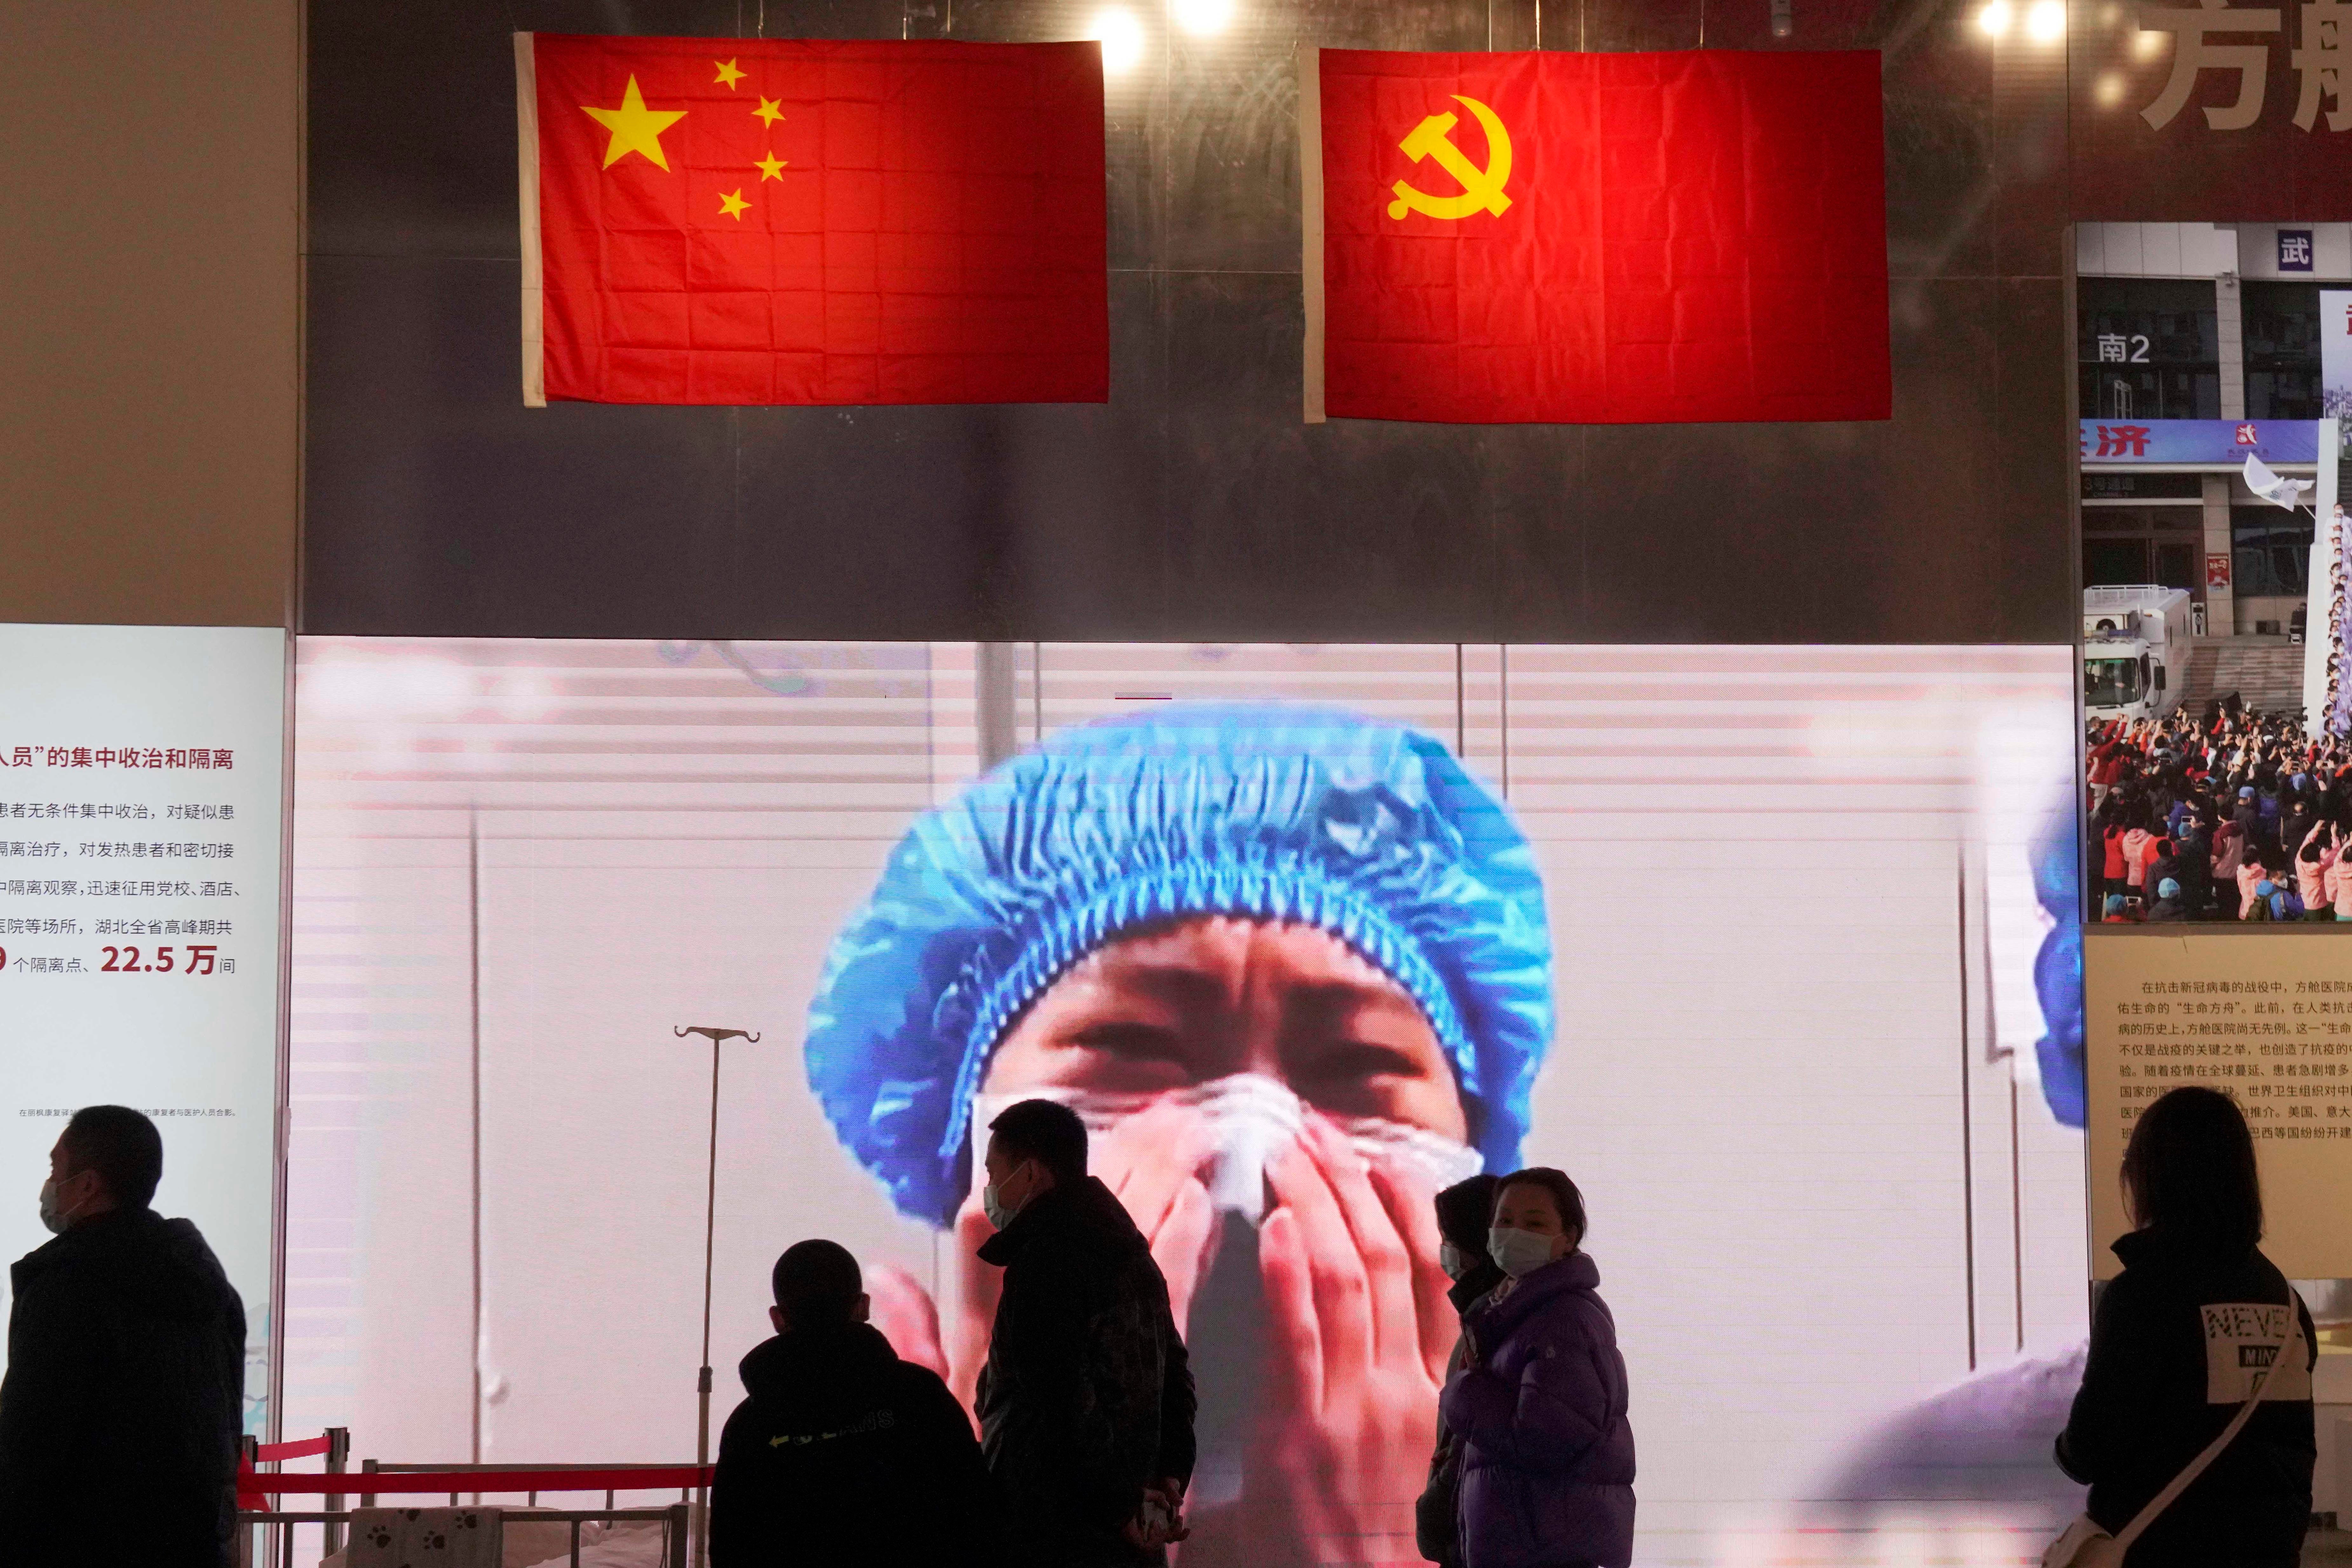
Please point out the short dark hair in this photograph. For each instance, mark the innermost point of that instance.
(816, 1283)
(122, 1146)
(1564, 1195)
(1465, 1211)
(2191, 1174)
(1046, 1132)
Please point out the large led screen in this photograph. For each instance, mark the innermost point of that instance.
(1779, 979)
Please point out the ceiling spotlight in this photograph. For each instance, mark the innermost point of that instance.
(2046, 23)
(1202, 17)
(1122, 40)
(1994, 19)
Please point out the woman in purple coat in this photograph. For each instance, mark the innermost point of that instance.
(1539, 1404)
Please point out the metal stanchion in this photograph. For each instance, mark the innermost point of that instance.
(339, 1456)
(701, 1520)
(248, 1449)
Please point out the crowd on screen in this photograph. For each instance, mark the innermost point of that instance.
(2232, 815)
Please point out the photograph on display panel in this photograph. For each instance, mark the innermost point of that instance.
(1769, 949)
(2218, 770)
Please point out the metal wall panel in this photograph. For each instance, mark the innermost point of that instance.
(1195, 504)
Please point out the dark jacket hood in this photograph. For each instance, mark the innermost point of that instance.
(1482, 1277)
(816, 1366)
(162, 1265)
(1084, 1214)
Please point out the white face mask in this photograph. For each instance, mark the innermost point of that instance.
(1252, 1118)
(1519, 1252)
(1450, 1258)
(1000, 1213)
(55, 1218)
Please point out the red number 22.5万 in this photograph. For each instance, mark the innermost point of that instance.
(126, 960)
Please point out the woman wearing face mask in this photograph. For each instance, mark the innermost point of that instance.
(1539, 1407)
(1463, 1212)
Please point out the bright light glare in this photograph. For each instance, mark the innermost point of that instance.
(2148, 42)
(2110, 90)
(1122, 39)
(1994, 19)
(1202, 17)
(2046, 23)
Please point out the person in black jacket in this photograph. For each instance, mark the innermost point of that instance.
(124, 1396)
(2176, 1344)
(843, 1453)
(1086, 1402)
(1463, 1211)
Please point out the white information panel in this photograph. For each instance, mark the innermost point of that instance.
(141, 786)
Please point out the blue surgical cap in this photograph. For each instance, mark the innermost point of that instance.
(1366, 830)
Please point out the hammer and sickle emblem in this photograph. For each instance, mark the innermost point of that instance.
(1482, 189)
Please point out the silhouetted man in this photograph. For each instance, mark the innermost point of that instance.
(124, 1396)
(845, 1454)
(1086, 1402)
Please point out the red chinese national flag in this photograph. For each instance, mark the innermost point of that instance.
(1597, 238)
(742, 220)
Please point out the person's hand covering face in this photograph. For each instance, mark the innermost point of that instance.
(1163, 1012)
(1358, 1326)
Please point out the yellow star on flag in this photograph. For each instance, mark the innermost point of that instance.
(729, 75)
(635, 128)
(771, 167)
(770, 109)
(733, 205)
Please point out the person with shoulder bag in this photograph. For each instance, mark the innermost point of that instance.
(2193, 1426)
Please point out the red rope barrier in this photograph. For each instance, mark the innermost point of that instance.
(353, 1483)
(303, 1448)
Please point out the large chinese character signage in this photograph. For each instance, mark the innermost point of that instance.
(2233, 44)
(2174, 105)
(141, 779)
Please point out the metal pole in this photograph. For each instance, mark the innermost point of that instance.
(700, 1524)
(702, 1383)
(338, 1458)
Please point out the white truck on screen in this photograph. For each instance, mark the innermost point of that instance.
(2135, 650)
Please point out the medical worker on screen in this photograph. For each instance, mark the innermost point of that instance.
(1291, 967)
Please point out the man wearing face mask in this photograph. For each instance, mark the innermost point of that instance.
(124, 1399)
(1085, 1405)
(1291, 968)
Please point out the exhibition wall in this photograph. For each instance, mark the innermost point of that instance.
(1794, 907)
(1788, 713)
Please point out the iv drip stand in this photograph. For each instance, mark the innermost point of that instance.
(709, 1229)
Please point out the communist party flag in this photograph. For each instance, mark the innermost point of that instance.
(750, 221)
(1595, 239)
